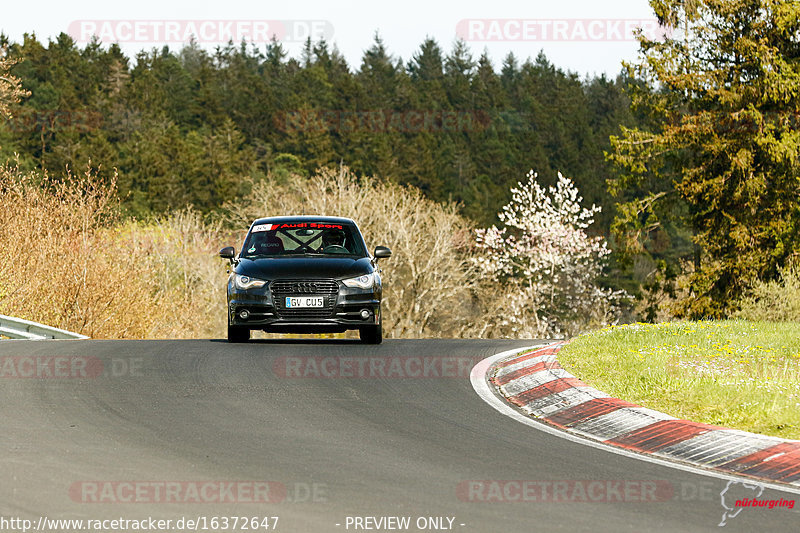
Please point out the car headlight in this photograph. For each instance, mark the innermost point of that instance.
(367, 281)
(246, 282)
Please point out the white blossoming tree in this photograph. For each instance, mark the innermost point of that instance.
(546, 263)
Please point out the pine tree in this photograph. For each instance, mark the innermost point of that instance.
(724, 112)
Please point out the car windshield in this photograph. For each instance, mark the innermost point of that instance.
(303, 238)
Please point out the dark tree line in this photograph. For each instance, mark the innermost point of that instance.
(182, 127)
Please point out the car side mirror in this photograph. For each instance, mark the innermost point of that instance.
(228, 253)
(382, 252)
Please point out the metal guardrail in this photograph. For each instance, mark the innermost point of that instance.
(17, 328)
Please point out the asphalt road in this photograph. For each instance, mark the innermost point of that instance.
(317, 432)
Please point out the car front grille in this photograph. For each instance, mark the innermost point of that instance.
(327, 288)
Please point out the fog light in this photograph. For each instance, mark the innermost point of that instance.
(244, 314)
(364, 314)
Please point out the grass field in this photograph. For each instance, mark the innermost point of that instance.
(738, 374)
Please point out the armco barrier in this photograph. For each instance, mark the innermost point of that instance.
(17, 328)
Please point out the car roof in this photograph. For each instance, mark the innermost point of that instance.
(303, 218)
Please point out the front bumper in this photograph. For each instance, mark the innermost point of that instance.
(264, 310)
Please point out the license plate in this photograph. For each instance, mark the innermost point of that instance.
(304, 301)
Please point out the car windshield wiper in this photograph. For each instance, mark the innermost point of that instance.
(260, 255)
(330, 254)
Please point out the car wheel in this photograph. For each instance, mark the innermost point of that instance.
(371, 335)
(238, 334)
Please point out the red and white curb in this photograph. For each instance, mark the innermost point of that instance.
(534, 382)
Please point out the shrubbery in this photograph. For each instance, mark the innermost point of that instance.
(776, 300)
(69, 259)
(546, 264)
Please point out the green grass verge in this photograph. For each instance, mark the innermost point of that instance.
(737, 374)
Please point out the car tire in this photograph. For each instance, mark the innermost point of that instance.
(238, 334)
(371, 335)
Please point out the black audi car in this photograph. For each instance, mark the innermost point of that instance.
(304, 274)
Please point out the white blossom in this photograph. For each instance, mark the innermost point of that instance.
(547, 263)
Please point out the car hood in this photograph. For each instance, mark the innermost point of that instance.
(271, 268)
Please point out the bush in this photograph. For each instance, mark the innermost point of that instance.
(776, 300)
(67, 260)
(545, 264)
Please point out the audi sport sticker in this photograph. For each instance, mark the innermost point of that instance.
(313, 225)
